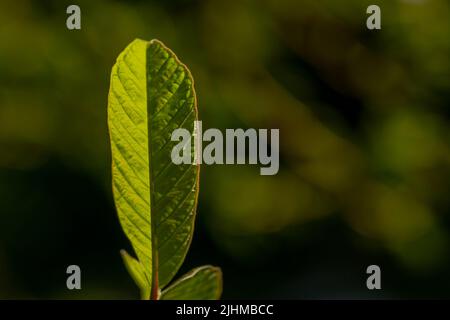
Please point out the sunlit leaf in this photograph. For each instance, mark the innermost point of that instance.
(137, 272)
(203, 283)
(152, 94)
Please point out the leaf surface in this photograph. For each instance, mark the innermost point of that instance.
(151, 94)
(203, 283)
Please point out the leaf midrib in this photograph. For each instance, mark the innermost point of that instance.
(154, 292)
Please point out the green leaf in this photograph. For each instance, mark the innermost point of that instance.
(151, 94)
(137, 272)
(203, 283)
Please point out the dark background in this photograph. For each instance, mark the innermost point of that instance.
(364, 145)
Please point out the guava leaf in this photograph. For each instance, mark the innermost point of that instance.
(202, 283)
(137, 272)
(151, 94)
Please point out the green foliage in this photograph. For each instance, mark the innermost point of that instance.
(203, 283)
(151, 94)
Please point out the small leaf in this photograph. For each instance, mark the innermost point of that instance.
(137, 272)
(151, 94)
(202, 283)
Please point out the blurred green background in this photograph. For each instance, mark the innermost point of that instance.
(364, 145)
